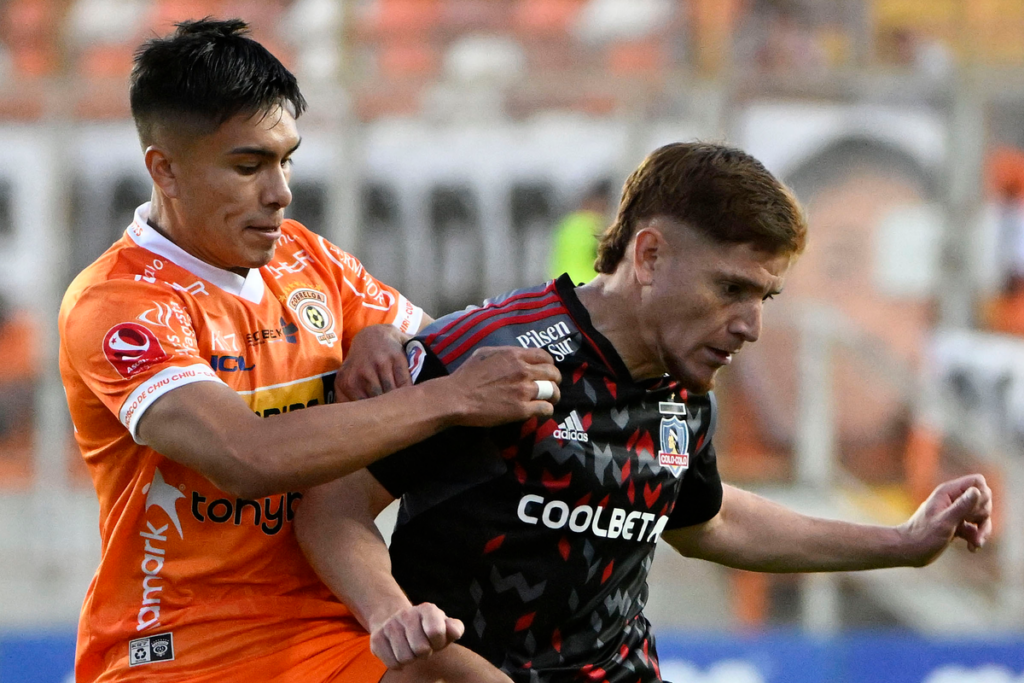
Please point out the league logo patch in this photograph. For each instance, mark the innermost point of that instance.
(130, 347)
(159, 648)
(675, 440)
(415, 354)
(310, 307)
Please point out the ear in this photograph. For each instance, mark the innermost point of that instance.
(648, 247)
(162, 171)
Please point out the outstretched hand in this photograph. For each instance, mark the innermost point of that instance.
(503, 384)
(415, 632)
(958, 508)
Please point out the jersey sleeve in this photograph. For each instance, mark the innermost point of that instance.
(400, 471)
(443, 466)
(367, 301)
(700, 494)
(131, 343)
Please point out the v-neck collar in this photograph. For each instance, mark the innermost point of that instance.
(250, 287)
(580, 314)
(567, 291)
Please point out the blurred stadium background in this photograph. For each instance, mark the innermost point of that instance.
(445, 140)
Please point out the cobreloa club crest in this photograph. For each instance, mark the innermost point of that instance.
(311, 309)
(675, 441)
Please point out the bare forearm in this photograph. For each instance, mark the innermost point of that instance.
(207, 427)
(252, 456)
(756, 534)
(351, 558)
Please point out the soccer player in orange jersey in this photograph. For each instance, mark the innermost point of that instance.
(199, 355)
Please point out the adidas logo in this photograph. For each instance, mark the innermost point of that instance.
(571, 429)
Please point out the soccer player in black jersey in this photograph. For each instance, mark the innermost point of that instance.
(539, 535)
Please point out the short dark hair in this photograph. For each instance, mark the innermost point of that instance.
(720, 191)
(205, 73)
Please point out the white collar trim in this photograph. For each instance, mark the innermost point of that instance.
(142, 233)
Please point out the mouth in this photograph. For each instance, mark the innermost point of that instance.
(721, 356)
(270, 231)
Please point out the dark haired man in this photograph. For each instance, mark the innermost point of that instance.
(210, 314)
(539, 535)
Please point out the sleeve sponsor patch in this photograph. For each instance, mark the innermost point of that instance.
(131, 348)
(408, 316)
(156, 386)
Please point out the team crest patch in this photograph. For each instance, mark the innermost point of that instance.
(415, 353)
(131, 347)
(311, 309)
(675, 440)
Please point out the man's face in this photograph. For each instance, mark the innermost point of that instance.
(232, 189)
(701, 300)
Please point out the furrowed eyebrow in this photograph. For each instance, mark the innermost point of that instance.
(749, 284)
(262, 151)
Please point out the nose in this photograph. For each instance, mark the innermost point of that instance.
(747, 322)
(276, 193)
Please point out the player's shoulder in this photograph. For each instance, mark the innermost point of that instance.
(105, 291)
(318, 246)
(123, 273)
(530, 317)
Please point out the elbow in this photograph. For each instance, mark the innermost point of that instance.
(245, 472)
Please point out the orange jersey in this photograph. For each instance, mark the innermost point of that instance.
(196, 584)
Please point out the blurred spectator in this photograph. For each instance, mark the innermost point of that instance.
(575, 241)
(17, 384)
(1005, 312)
(781, 39)
(905, 47)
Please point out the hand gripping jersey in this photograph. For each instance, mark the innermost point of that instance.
(195, 584)
(540, 535)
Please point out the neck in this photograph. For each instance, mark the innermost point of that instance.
(613, 302)
(164, 220)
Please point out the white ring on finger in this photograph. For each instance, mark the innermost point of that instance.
(545, 389)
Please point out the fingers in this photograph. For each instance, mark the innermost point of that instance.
(971, 514)
(957, 487)
(454, 628)
(400, 372)
(414, 633)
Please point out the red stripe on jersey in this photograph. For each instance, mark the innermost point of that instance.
(487, 329)
(458, 325)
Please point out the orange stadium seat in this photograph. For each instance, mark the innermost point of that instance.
(407, 58)
(637, 58)
(106, 61)
(546, 17)
(404, 16)
(30, 30)
(168, 12)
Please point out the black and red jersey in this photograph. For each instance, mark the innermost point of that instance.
(540, 535)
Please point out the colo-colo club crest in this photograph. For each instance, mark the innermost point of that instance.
(675, 441)
(311, 309)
